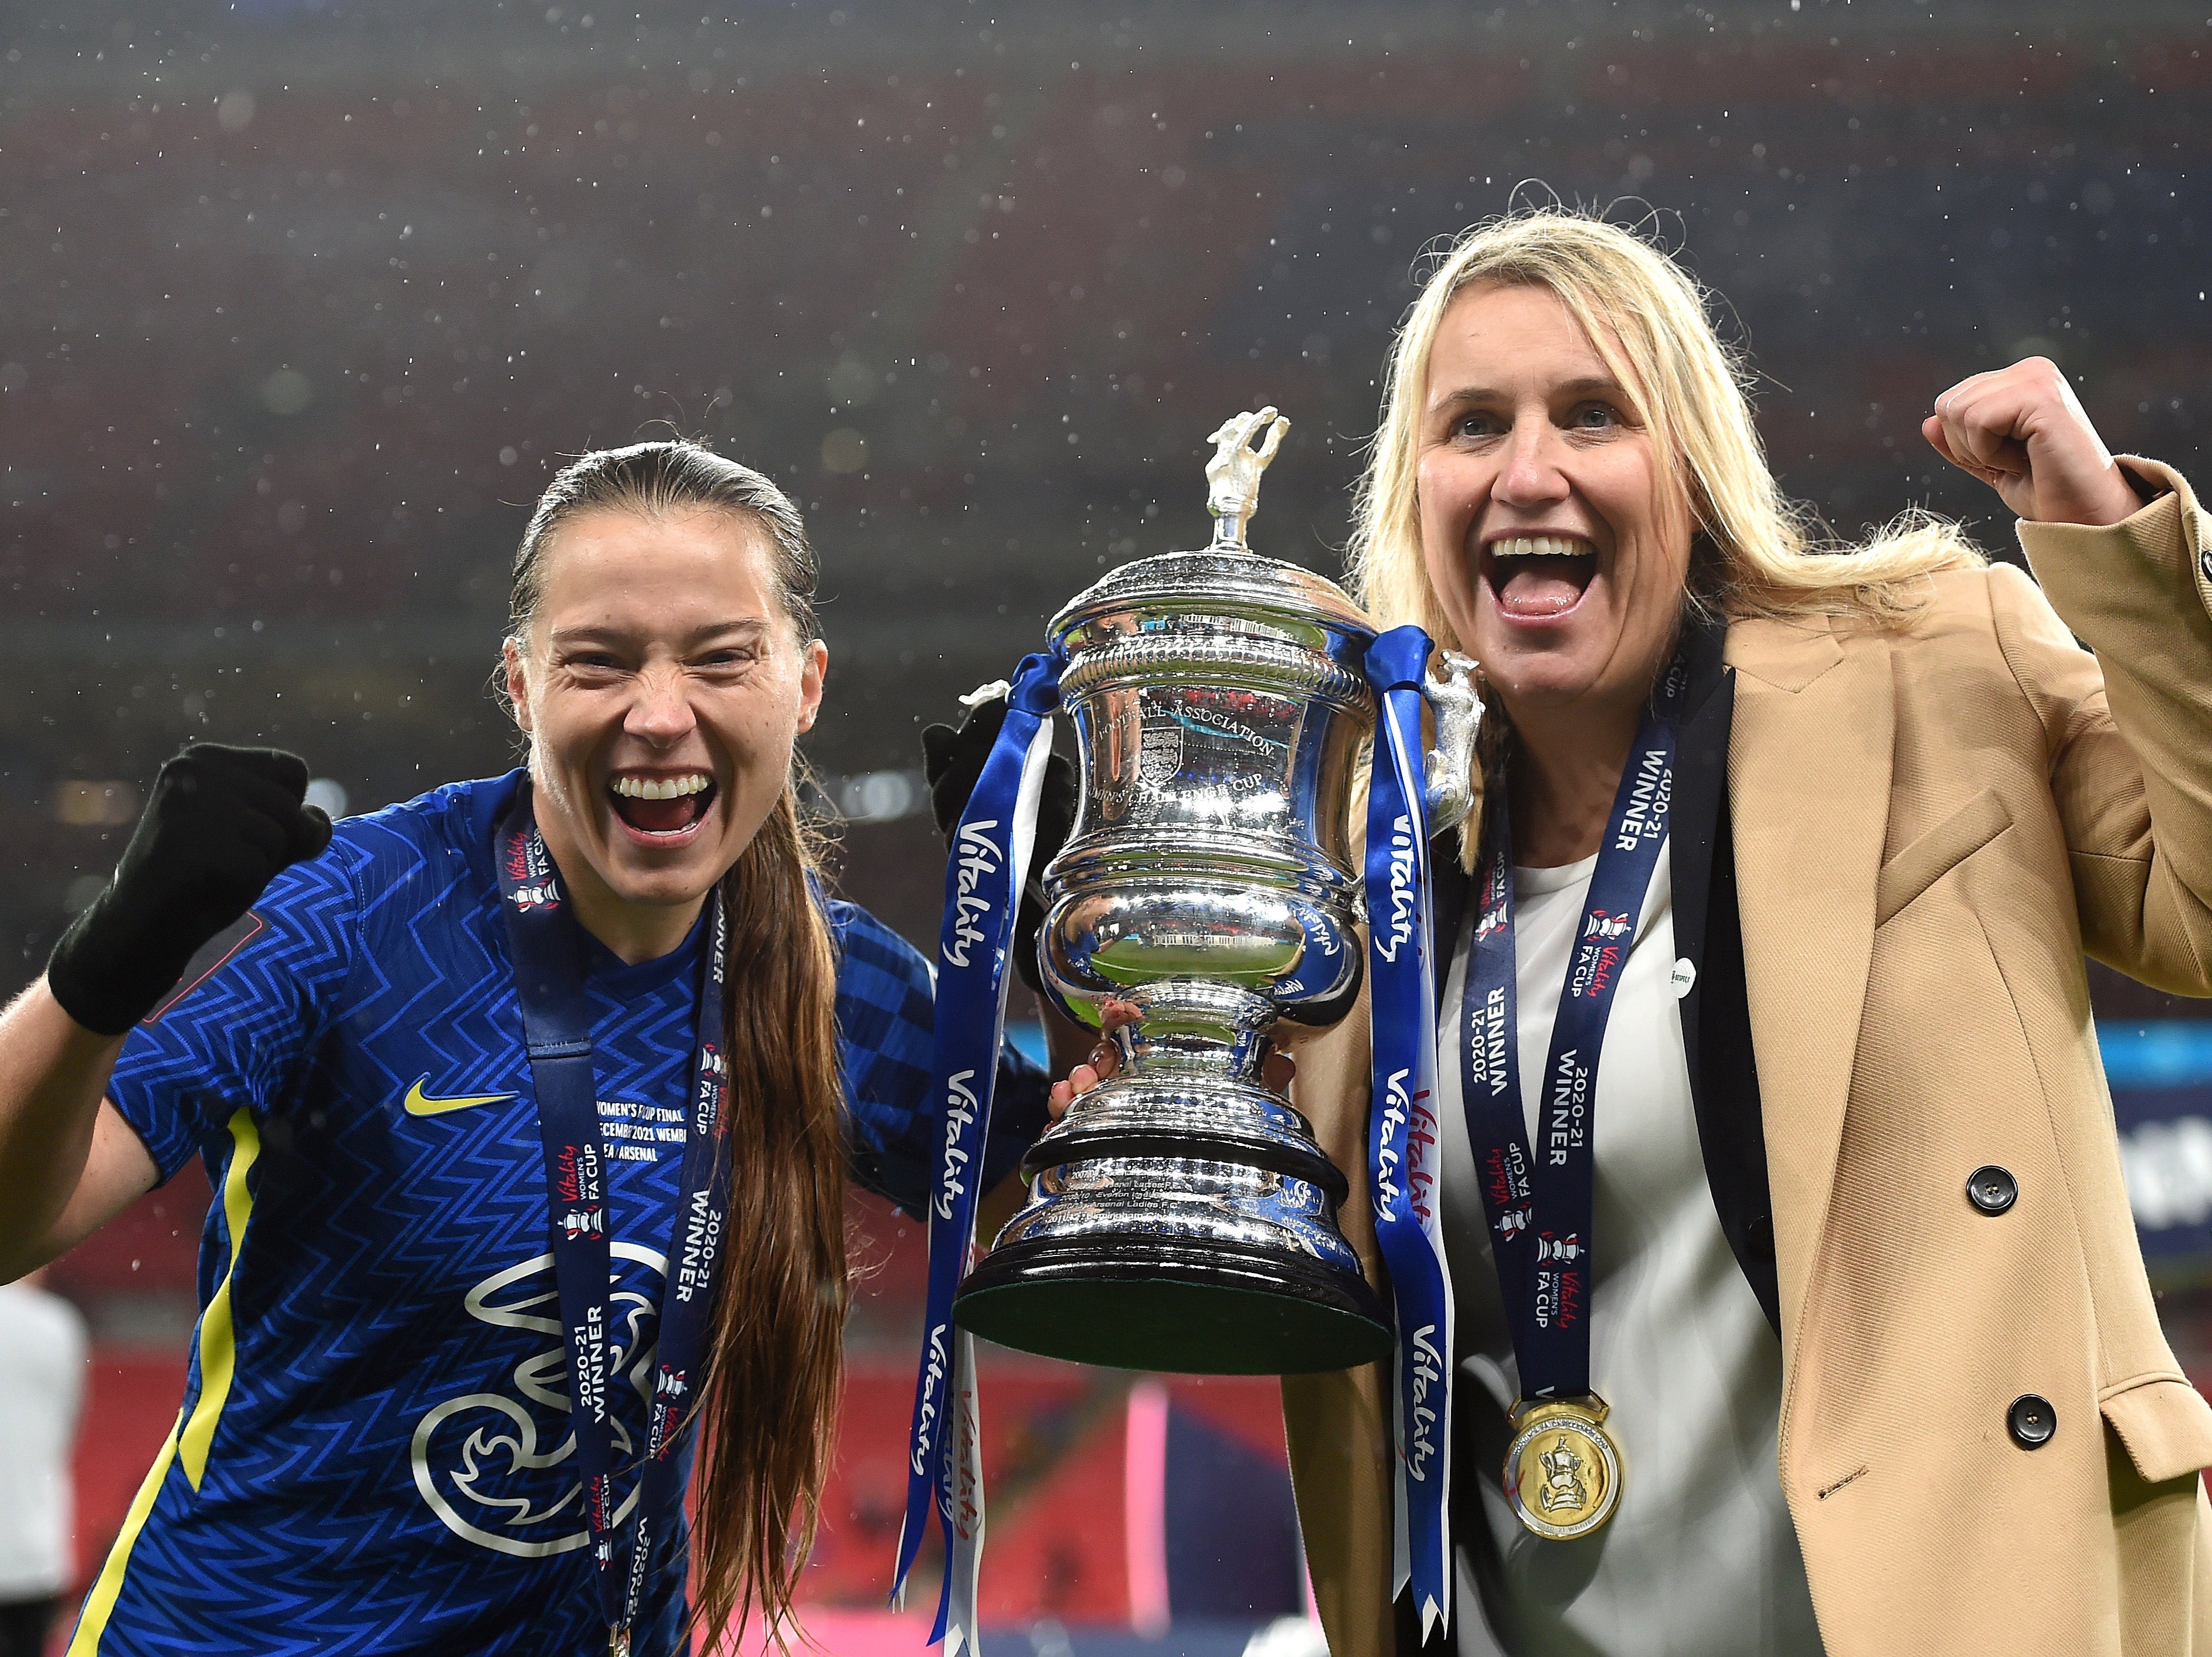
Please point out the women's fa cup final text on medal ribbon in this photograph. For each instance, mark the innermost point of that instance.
(1563, 1470)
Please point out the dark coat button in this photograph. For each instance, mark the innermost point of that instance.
(2031, 1420)
(1758, 1236)
(1992, 1190)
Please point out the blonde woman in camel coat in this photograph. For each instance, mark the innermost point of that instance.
(1907, 805)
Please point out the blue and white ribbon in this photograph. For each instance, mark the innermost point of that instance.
(982, 891)
(983, 884)
(1402, 1122)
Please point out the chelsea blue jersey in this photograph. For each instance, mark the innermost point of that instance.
(374, 1454)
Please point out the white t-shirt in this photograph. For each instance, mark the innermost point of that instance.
(1700, 1559)
(42, 1354)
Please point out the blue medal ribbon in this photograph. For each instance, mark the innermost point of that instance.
(984, 880)
(1402, 1121)
(547, 945)
(1541, 1199)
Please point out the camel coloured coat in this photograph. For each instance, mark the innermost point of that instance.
(1932, 826)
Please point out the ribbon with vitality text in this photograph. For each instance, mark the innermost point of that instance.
(988, 865)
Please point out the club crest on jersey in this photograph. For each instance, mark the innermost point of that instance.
(498, 1466)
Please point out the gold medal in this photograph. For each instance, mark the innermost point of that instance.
(1563, 1471)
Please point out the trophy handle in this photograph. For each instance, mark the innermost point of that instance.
(1449, 786)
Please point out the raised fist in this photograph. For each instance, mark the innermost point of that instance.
(2022, 431)
(221, 823)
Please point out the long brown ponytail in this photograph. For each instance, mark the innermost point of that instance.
(769, 1407)
(777, 1336)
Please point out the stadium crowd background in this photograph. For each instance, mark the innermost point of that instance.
(301, 301)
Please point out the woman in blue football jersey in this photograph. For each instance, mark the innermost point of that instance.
(488, 1084)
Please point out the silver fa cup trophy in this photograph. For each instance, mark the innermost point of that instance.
(1181, 1216)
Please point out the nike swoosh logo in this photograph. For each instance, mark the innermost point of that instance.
(420, 1104)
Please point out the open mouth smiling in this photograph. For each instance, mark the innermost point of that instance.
(662, 807)
(1536, 578)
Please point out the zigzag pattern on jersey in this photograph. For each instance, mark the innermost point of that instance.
(386, 1268)
(264, 1009)
(393, 1299)
(885, 1018)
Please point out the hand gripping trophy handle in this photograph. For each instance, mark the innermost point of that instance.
(1181, 1215)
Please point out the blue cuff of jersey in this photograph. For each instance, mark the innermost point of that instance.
(893, 1153)
(1017, 1114)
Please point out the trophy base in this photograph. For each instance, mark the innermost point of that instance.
(1137, 1302)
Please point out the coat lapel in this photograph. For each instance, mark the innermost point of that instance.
(1808, 792)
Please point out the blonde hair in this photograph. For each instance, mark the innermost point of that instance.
(1763, 555)
(1754, 553)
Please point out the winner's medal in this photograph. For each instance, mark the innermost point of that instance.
(1563, 1470)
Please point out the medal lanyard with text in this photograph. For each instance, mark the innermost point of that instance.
(547, 945)
(1541, 1199)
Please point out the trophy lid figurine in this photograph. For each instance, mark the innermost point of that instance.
(1181, 1216)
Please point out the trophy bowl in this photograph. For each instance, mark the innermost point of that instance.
(1181, 1216)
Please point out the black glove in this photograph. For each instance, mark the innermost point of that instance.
(952, 760)
(221, 823)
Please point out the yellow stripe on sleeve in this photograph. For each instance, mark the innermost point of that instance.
(218, 1342)
(189, 1438)
(92, 1621)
